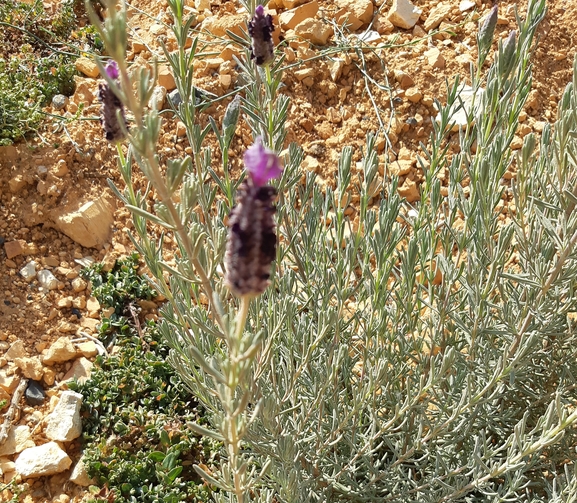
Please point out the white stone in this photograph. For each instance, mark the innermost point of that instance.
(461, 108)
(202, 5)
(28, 272)
(19, 438)
(63, 424)
(46, 459)
(158, 98)
(466, 5)
(47, 279)
(369, 36)
(404, 14)
(79, 474)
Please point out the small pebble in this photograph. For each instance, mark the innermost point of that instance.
(28, 272)
(59, 101)
(47, 279)
(34, 393)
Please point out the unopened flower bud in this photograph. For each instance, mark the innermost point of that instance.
(251, 243)
(487, 28)
(109, 117)
(260, 29)
(507, 58)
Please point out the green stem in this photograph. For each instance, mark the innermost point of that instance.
(270, 109)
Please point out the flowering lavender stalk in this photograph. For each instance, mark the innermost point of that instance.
(112, 115)
(251, 245)
(260, 29)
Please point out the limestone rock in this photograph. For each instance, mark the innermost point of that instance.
(9, 380)
(63, 424)
(84, 91)
(409, 191)
(360, 9)
(19, 438)
(158, 98)
(88, 348)
(79, 474)
(290, 18)
(404, 14)
(46, 459)
(383, 25)
(16, 350)
(291, 4)
(17, 183)
(336, 68)
(401, 167)
(31, 367)
(413, 95)
(165, 78)
(61, 350)
(435, 58)
(47, 279)
(219, 25)
(404, 79)
(437, 15)
(465, 5)
(14, 248)
(314, 30)
(87, 67)
(79, 371)
(28, 272)
(348, 19)
(7, 468)
(89, 225)
(78, 285)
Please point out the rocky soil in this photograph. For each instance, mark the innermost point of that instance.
(57, 212)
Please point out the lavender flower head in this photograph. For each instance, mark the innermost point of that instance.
(109, 117)
(260, 29)
(251, 242)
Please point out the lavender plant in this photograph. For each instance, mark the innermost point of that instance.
(429, 357)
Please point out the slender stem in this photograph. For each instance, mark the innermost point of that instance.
(234, 433)
(241, 316)
(270, 109)
(182, 233)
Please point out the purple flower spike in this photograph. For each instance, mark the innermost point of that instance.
(261, 163)
(260, 29)
(111, 69)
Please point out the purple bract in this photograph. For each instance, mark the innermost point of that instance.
(261, 163)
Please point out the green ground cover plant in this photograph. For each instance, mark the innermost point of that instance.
(37, 61)
(425, 355)
(135, 408)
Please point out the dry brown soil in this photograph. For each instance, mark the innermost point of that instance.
(326, 113)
